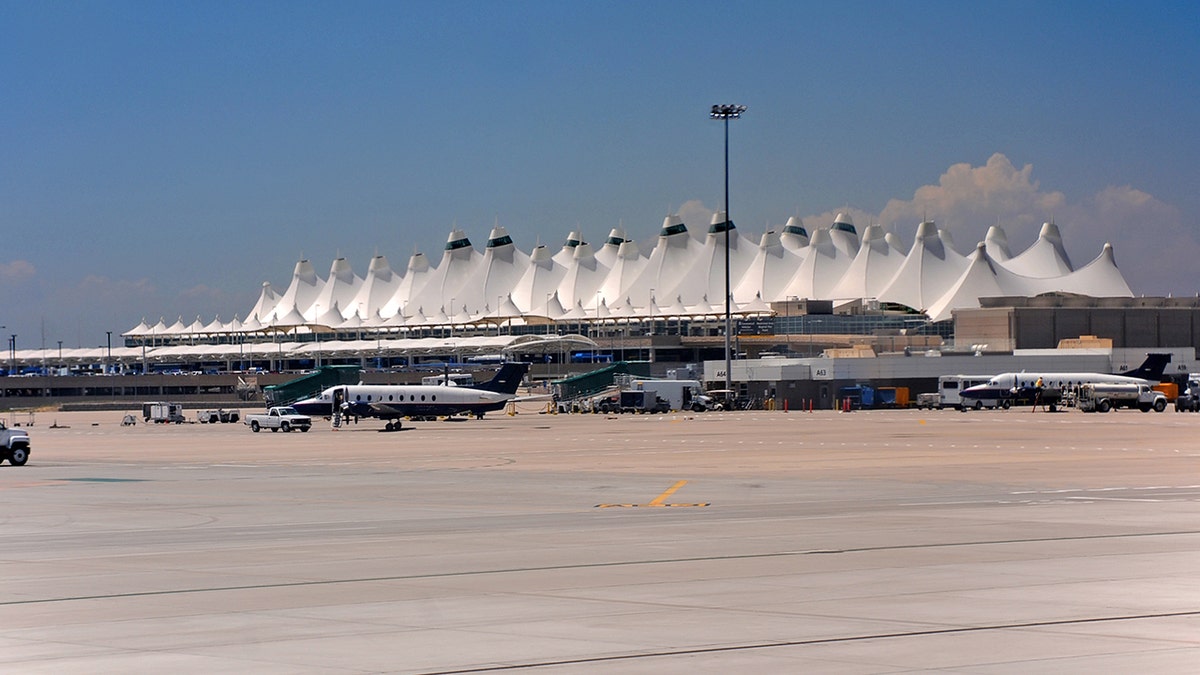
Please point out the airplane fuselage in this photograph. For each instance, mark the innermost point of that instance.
(1006, 386)
(396, 401)
(1011, 385)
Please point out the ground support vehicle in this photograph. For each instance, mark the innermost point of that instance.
(949, 387)
(1189, 400)
(673, 394)
(14, 445)
(214, 416)
(279, 418)
(1105, 397)
(161, 412)
(1187, 403)
(929, 400)
(640, 401)
(863, 396)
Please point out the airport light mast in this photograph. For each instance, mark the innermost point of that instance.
(725, 113)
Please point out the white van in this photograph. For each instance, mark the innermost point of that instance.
(949, 387)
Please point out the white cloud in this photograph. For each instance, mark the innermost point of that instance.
(202, 293)
(17, 270)
(1153, 246)
(967, 200)
(102, 290)
(696, 216)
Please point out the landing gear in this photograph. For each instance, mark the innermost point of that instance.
(392, 426)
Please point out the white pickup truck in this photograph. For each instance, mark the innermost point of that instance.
(279, 418)
(14, 445)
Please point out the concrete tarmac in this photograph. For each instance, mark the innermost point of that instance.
(771, 542)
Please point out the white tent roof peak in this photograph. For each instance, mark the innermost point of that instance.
(497, 232)
(977, 280)
(331, 317)
(411, 283)
(380, 267)
(821, 240)
(997, 243)
(340, 289)
(540, 254)
(672, 225)
(929, 237)
(584, 252)
(608, 253)
(138, 330)
(843, 235)
(844, 223)
(457, 239)
(418, 262)
(928, 271)
(575, 238)
(291, 318)
(305, 270)
(872, 268)
(1050, 231)
(794, 236)
(629, 250)
(719, 223)
(1045, 258)
(300, 294)
(341, 269)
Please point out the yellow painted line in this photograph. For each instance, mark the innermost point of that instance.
(658, 501)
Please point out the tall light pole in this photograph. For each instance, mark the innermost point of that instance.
(725, 113)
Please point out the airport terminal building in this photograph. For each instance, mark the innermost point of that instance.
(805, 309)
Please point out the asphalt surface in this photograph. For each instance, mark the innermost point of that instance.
(867, 542)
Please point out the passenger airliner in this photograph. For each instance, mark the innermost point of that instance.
(391, 402)
(1008, 386)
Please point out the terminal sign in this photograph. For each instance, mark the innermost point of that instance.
(762, 325)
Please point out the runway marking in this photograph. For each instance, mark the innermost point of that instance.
(1114, 499)
(658, 502)
(802, 642)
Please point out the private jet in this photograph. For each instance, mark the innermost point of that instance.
(1010, 387)
(391, 402)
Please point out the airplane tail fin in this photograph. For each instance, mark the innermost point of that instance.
(507, 379)
(1152, 368)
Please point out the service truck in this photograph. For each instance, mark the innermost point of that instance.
(279, 418)
(949, 387)
(220, 415)
(1098, 397)
(14, 445)
(664, 395)
(161, 412)
(1189, 400)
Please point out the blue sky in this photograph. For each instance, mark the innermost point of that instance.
(166, 158)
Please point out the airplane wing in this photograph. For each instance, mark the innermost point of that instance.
(381, 409)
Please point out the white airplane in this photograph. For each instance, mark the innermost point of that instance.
(391, 402)
(1008, 386)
